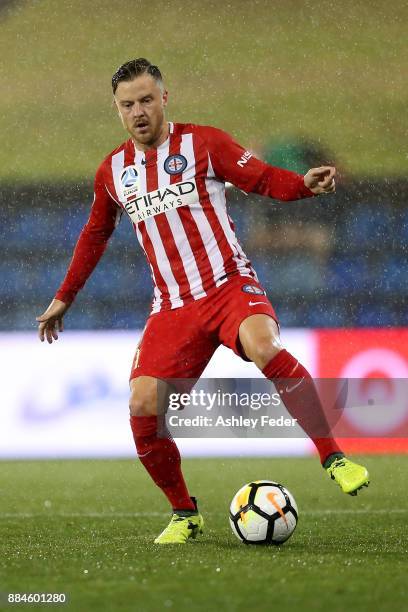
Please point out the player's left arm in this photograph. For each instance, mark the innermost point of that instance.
(233, 163)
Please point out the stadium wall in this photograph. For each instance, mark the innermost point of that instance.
(338, 261)
(70, 399)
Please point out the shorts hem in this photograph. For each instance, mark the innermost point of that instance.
(238, 349)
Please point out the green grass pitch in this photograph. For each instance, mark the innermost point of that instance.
(85, 528)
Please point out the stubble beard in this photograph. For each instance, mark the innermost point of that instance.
(149, 138)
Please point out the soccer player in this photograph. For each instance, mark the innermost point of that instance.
(169, 178)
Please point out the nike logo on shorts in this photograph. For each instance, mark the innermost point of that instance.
(255, 303)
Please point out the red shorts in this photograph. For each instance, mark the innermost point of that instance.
(179, 343)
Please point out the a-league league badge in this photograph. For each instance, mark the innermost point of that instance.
(252, 289)
(129, 176)
(130, 181)
(175, 164)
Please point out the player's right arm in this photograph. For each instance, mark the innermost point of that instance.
(89, 249)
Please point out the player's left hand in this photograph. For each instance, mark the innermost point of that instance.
(321, 180)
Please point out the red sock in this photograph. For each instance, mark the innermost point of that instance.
(161, 458)
(302, 401)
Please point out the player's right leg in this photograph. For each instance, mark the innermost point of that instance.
(173, 348)
(155, 448)
(160, 456)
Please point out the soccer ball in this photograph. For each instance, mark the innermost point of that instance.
(263, 512)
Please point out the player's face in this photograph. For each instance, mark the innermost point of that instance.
(141, 104)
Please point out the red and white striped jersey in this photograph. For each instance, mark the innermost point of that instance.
(174, 196)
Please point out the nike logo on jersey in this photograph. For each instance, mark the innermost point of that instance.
(244, 159)
(290, 389)
(255, 303)
(162, 200)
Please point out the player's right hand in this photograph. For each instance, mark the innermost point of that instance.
(50, 322)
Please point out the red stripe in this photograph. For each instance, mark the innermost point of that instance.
(172, 252)
(227, 253)
(147, 243)
(246, 261)
(190, 226)
(151, 256)
(129, 160)
(110, 183)
(174, 149)
(129, 154)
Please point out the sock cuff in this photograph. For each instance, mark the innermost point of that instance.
(332, 458)
(187, 511)
(276, 362)
(283, 365)
(143, 425)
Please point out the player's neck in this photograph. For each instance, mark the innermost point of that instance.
(162, 137)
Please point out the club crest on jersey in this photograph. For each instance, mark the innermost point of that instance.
(175, 164)
(252, 289)
(130, 181)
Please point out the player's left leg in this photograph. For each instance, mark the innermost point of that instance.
(260, 341)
